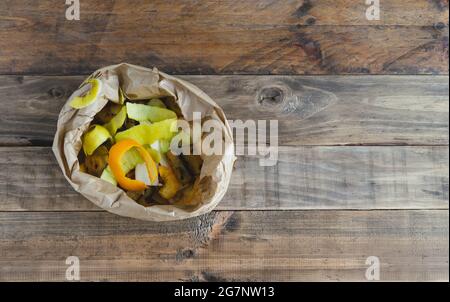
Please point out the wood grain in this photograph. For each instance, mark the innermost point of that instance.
(319, 110)
(303, 178)
(227, 246)
(222, 37)
(346, 202)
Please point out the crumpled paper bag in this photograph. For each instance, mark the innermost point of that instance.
(142, 83)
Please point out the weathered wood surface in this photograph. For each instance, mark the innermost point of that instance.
(303, 178)
(347, 202)
(319, 110)
(231, 246)
(222, 37)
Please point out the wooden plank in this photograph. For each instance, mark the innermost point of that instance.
(220, 37)
(319, 110)
(304, 178)
(227, 246)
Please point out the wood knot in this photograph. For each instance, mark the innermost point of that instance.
(56, 92)
(270, 96)
(439, 26)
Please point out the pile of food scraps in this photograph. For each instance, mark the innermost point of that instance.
(128, 145)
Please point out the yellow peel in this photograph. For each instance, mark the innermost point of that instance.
(140, 112)
(156, 103)
(146, 134)
(117, 121)
(93, 138)
(108, 176)
(82, 101)
(153, 153)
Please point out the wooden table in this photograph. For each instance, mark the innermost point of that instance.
(363, 124)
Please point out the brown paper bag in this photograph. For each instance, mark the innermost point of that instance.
(142, 83)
